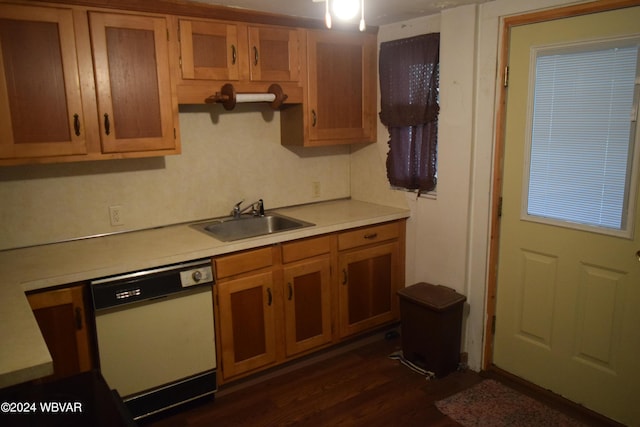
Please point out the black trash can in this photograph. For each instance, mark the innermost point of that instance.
(431, 317)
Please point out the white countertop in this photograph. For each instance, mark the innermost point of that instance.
(23, 352)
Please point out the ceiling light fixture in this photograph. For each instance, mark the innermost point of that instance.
(343, 10)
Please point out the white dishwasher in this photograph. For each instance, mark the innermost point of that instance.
(156, 339)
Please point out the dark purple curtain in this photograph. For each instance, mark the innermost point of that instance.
(409, 74)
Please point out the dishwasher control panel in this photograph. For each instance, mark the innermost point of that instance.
(147, 285)
(196, 276)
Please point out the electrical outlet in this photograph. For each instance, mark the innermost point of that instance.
(115, 215)
(315, 189)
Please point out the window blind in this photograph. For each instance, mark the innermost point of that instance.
(581, 140)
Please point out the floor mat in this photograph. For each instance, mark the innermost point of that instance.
(492, 404)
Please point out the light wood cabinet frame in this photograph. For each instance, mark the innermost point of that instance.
(62, 317)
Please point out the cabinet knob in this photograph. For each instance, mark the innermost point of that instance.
(234, 54)
(256, 56)
(269, 297)
(314, 118)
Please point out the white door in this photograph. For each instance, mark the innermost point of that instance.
(568, 293)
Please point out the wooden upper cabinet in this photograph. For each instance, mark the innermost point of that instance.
(341, 98)
(40, 100)
(209, 50)
(133, 84)
(212, 50)
(274, 54)
(342, 86)
(78, 84)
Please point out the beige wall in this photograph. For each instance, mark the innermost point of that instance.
(437, 232)
(226, 157)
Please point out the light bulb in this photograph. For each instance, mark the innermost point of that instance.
(346, 9)
(362, 26)
(327, 15)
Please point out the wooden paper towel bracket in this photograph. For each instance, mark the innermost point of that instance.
(229, 98)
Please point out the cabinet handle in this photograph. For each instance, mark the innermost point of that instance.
(107, 124)
(344, 276)
(290, 291)
(269, 296)
(256, 56)
(78, 318)
(371, 236)
(76, 124)
(234, 54)
(314, 118)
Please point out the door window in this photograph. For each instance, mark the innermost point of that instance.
(582, 135)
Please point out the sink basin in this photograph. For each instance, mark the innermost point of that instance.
(229, 229)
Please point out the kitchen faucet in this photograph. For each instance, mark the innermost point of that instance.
(257, 209)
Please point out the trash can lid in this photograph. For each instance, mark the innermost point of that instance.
(435, 297)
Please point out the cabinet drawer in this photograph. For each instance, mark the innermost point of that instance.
(368, 235)
(301, 249)
(232, 265)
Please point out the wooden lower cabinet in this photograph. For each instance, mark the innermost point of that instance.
(371, 271)
(280, 302)
(246, 309)
(307, 305)
(273, 304)
(368, 286)
(62, 317)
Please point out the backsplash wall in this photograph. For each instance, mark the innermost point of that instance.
(226, 157)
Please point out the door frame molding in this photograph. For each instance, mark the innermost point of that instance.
(498, 158)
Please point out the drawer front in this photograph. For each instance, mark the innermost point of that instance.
(301, 249)
(368, 235)
(231, 265)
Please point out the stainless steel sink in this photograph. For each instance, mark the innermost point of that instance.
(229, 228)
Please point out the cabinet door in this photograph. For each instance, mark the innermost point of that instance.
(135, 100)
(209, 50)
(368, 286)
(40, 99)
(61, 316)
(307, 304)
(273, 54)
(247, 316)
(342, 88)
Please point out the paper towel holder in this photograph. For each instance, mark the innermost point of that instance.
(228, 97)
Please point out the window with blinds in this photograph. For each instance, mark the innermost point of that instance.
(582, 140)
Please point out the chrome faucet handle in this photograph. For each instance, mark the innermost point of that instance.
(236, 208)
(259, 210)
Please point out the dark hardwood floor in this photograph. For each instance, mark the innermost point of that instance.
(361, 387)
